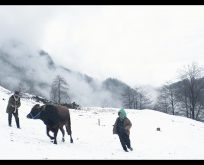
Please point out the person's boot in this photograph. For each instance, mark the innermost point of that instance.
(130, 148)
(17, 123)
(125, 149)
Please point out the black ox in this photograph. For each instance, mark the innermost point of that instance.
(54, 117)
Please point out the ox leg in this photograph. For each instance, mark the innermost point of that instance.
(55, 135)
(48, 130)
(62, 130)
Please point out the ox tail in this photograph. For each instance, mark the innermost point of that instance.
(68, 128)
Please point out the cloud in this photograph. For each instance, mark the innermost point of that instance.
(122, 41)
(137, 44)
(25, 23)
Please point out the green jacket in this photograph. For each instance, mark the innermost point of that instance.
(13, 104)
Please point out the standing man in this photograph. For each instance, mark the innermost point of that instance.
(122, 128)
(12, 108)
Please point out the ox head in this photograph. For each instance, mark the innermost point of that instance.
(35, 112)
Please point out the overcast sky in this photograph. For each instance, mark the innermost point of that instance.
(136, 44)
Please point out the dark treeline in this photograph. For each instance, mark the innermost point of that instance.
(136, 98)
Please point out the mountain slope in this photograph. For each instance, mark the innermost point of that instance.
(33, 71)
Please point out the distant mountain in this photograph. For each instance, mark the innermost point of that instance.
(115, 86)
(33, 71)
(50, 62)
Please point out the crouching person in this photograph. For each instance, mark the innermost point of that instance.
(12, 108)
(122, 128)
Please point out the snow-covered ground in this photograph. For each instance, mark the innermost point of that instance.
(179, 138)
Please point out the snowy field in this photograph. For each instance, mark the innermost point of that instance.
(179, 138)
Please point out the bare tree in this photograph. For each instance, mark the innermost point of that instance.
(194, 85)
(144, 100)
(182, 97)
(127, 97)
(59, 91)
(135, 98)
(171, 97)
(162, 103)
